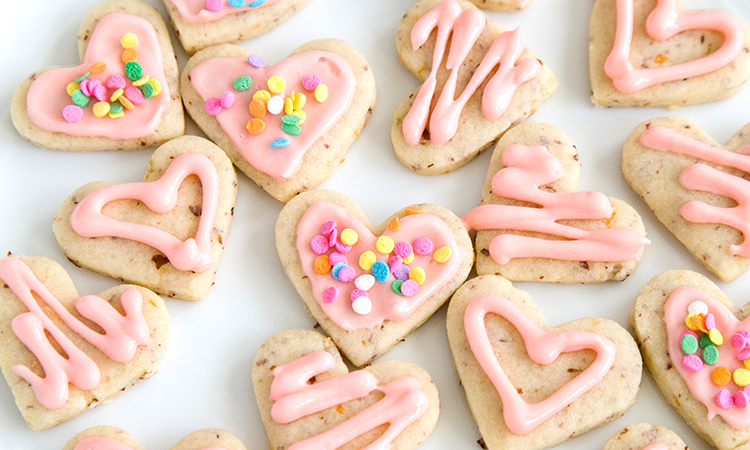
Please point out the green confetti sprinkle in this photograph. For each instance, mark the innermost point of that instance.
(243, 83)
(291, 129)
(291, 119)
(115, 107)
(79, 99)
(710, 355)
(82, 77)
(689, 344)
(133, 70)
(147, 89)
(396, 287)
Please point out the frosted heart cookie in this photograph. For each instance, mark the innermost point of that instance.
(574, 237)
(110, 340)
(531, 385)
(124, 94)
(460, 111)
(370, 286)
(308, 399)
(644, 436)
(202, 23)
(501, 5)
(165, 233)
(695, 343)
(286, 126)
(694, 185)
(111, 438)
(654, 53)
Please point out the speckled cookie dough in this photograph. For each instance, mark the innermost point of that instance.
(639, 436)
(206, 439)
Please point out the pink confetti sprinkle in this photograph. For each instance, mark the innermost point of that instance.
(214, 5)
(692, 363)
(422, 246)
(725, 399)
(319, 245)
(744, 354)
(84, 87)
(741, 399)
(745, 333)
(72, 113)
(357, 293)
(115, 82)
(136, 96)
(347, 274)
(227, 100)
(328, 227)
(738, 341)
(343, 248)
(409, 288)
(310, 82)
(101, 94)
(394, 262)
(403, 249)
(690, 332)
(93, 83)
(331, 294)
(710, 321)
(332, 237)
(213, 106)
(335, 258)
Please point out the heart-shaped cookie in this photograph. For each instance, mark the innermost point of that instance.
(575, 237)
(644, 436)
(111, 438)
(287, 126)
(165, 233)
(653, 53)
(531, 385)
(462, 110)
(701, 380)
(201, 23)
(123, 96)
(308, 399)
(694, 185)
(369, 287)
(105, 352)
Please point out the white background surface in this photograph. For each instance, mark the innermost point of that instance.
(204, 380)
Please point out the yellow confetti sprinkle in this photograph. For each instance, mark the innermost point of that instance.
(716, 336)
(384, 245)
(115, 95)
(288, 106)
(741, 377)
(141, 81)
(367, 259)
(417, 274)
(129, 40)
(321, 93)
(262, 95)
(348, 236)
(72, 87)
(299, 100)
(442, 254)
(301, 115)
(409, 259)
(276, 84)
(117, 116)
(101, 109)
(157, 86)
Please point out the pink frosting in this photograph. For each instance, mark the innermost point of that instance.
(47, 95)
(528, 168)
(194, 11)
(213, 77)
(102, 443)
(385, 304)
(294, 397)
(665, 21)
(464, 27)
(702, 177)
(161, 197)
(121, 336)
(700, 383)
(543, 348)
(656, 446)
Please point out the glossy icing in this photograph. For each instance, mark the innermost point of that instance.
(526, 169)
(702, 177)
(47, 95)
(543, 348)
(463, 27)
(160, 196)
(194, 11)
(656, 446)
(665, 21)
(120, 338)
(402, 404)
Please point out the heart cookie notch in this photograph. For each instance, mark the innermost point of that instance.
(575, 237)
(165, 233)
(654, 53)
(308, 398)
(101, 360)
(287, 126)
(644, 436)
(112, 438)
(685, 374)
(123, 96)
(531, 385)
(460, 112)
(370, 284)
(694, 185)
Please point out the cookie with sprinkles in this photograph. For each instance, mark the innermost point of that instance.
(644, 436)
(370, 286)
(494, 82)
(202, 23)
(123, 96)
(290, 123)
(696, 344)
(111, 438)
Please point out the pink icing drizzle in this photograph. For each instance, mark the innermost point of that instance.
(543, 348)
(528, 168)
(705, 178)
(404, 402)
(194, 11)
(700, 383)
(161, 197)
(47, 95)
(122, 334)
(102, 443)
(655, 446)
(464, 27)
(665, 21)
(385, 305)
(213, 77)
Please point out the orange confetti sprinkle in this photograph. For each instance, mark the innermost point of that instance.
(256, 126)
(699, 322)
(721, 376)
(98, 67)
(126, 103)
(258, 108)
(394, 225)
(322, 265)
(129, 54)
(413, 210)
